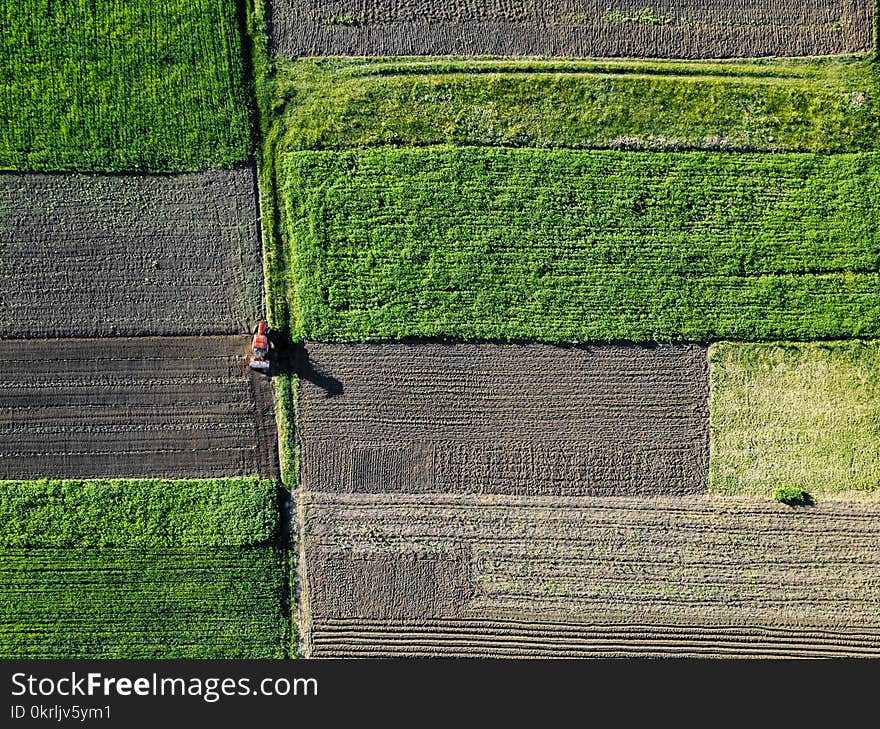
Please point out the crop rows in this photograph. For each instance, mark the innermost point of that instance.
(517, 638)
(746, 570)
(129, 255)
(664, 28)
(170, 407)
(506, 419)
(575, 246)
(106, 85)
(226, 602)
(141, 569)
(798, 415)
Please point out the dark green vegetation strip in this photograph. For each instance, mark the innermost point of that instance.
(821, 105)
(128, 603)
(561, 245)
(112, 85)
(138, 513)
(795, 416)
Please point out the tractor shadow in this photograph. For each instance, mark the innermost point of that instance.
(292, 358)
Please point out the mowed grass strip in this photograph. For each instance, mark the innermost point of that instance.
(814, 105)
(138, 513)
(111, 85)
(578, 246)
(143, 603)
(796, 415)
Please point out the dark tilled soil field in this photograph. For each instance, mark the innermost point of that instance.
(149, 407)
(515, 576)
(665, 28)
(86, 255)
(515, 419)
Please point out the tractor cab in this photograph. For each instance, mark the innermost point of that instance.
(259, 359)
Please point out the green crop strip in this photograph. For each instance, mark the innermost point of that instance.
(795, 416)
(109, 85)
(815, 105)
(142, 569)
(138, 513)
(577, 246)
(143, 603)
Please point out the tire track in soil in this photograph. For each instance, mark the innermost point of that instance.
(453, 575)
(148, 407)
(515, 419)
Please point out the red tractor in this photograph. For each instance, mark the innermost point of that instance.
(259, 359)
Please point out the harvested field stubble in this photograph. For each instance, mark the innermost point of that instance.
(581, 245)
(129, 255)
(663, 28)
(516, 419)
(165, 407)
(796, 415)
(591, 576)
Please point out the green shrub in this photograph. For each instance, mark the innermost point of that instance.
(793, 496)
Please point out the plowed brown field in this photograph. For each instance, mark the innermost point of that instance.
(86, 255)
(664, 28)
(535, 576)
(149, 407)
(514, 419)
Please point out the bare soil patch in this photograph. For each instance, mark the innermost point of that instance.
(665, 28)
(514, 419)
(148, 407)
(542, 576)
(123, 255)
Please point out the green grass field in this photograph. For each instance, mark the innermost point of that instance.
(142, 569)
(161, 602)
(768, 105)
(576, 246)
(816, 105)
(138, 513)
(795, 415)
(109, 85)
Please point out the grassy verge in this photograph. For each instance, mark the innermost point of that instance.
(285, 385)
(795, 416)
(285, 418)
(277, 301)
(575, 246)
(817, 105)
(154, 85)
(269, 109)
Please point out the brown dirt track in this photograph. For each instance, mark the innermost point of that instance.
(537, 576)
(122, 255)
(148, 407)
(515, 419)
(679, 28)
